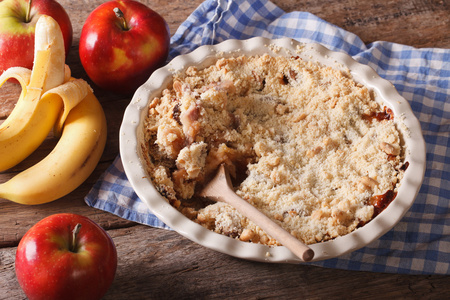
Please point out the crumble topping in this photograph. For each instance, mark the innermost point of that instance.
(304, 143)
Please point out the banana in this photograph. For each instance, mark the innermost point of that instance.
(70, 163)
(34, 116)
(50, 98)
(48, 37)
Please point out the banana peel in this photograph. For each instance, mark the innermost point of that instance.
(73, 159)
(49, 98)
(70, 94)
(33, 116)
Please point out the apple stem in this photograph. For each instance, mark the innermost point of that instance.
(27, 17)
(120, 15)
(74, 244)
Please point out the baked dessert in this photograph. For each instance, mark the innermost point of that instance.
(304, 143)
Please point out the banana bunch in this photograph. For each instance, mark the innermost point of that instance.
(50, 100)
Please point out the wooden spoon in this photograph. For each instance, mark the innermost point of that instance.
(220, 189)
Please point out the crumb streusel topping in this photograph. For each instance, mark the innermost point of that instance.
(304, 143)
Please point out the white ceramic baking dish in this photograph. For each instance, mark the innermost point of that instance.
(131, 138)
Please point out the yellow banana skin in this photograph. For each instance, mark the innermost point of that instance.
(73, 159)
(50, 98)
(34, 116)
(30, 128)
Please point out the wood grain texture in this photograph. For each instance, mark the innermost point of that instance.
(161, 264)
(418, 23)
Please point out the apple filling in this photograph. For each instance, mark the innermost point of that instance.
(304, 143)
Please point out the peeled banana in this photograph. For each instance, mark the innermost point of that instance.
(34, 116)
(50, 98)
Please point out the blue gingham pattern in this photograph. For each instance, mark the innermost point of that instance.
(420, 242)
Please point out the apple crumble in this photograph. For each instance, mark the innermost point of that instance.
(304, 143)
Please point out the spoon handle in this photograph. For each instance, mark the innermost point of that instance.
(270, 227)
(220, 189)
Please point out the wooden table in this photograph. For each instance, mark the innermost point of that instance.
(156, 263)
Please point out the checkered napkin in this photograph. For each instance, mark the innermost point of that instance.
(420, 242)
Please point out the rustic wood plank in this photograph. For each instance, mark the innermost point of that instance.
(160, 264)
(418, 23)
(179, 269)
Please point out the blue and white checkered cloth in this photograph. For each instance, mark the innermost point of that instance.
(420, 242)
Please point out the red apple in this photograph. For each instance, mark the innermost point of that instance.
(58, 259)
(122, 43)
(18, 22)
